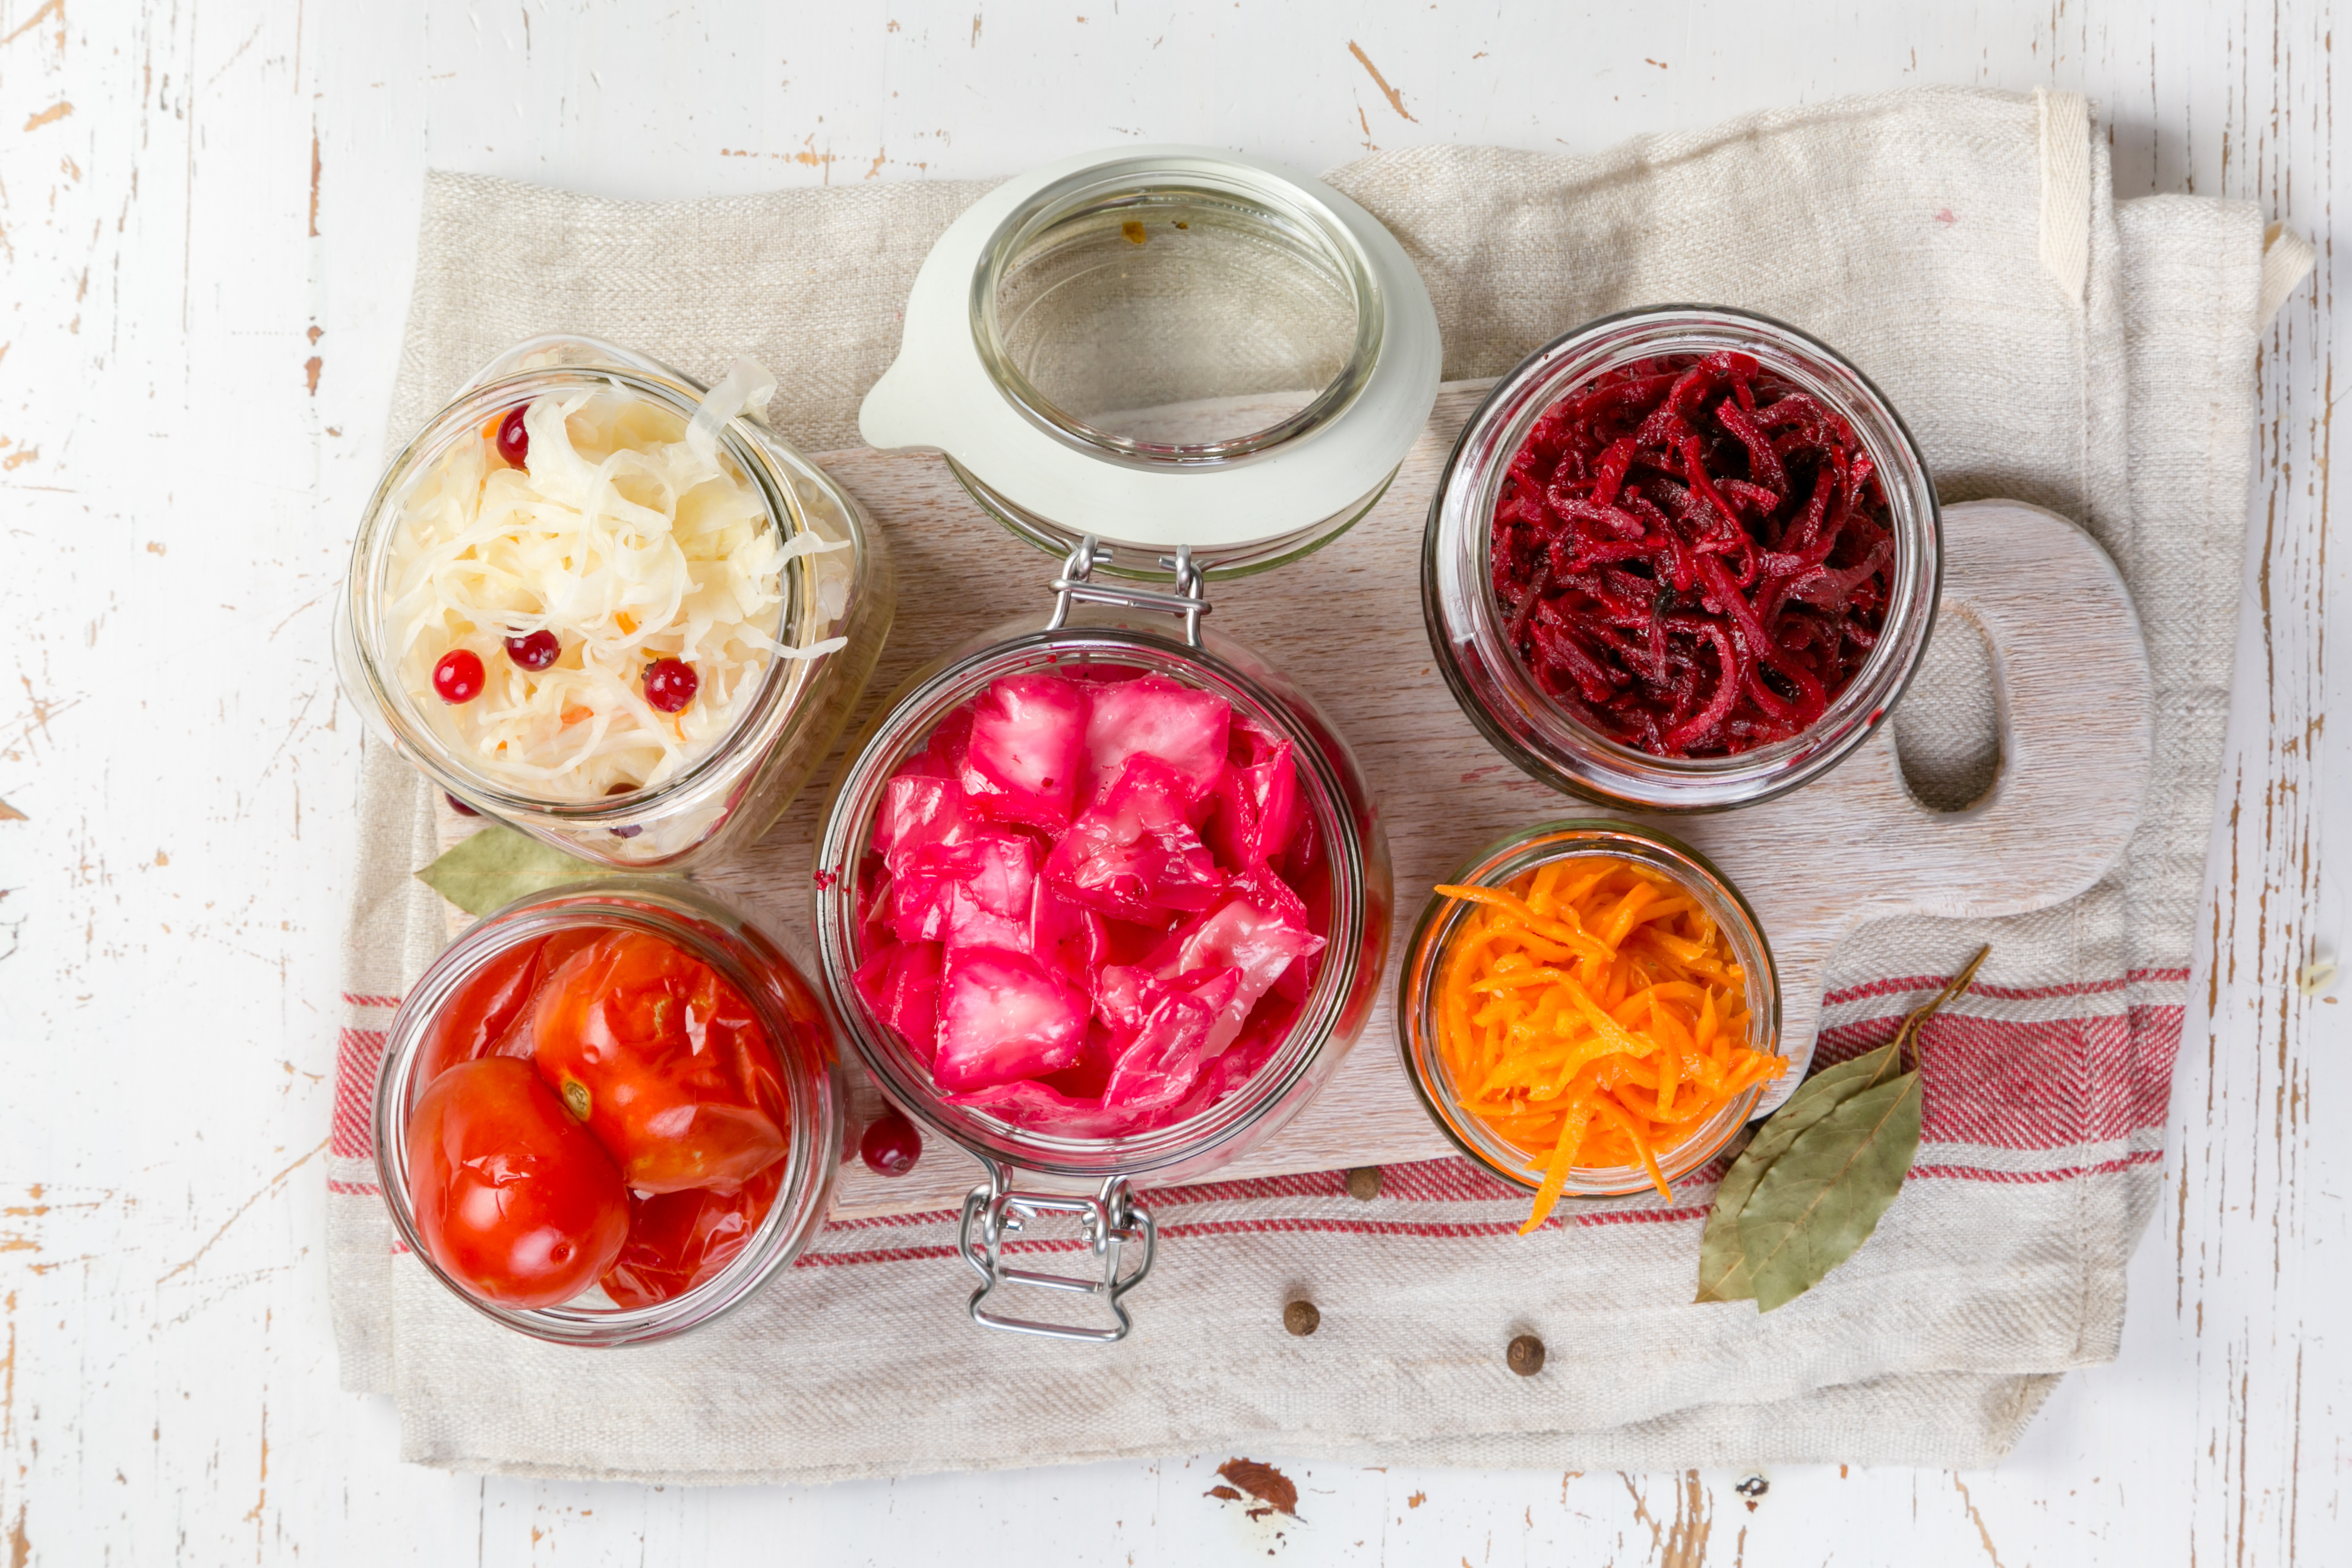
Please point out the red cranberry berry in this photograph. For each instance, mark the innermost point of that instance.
(633, 828)
(534, 652)
(514, 441)
(459, 676)
(891, 1145)
(459, 807)
(670, 684)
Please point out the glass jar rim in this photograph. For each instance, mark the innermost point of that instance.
(1513, 855)
(1141, 561)
(1496, 691)
(679, 915)
(361, 600)
(907, 722)
(1279, 205)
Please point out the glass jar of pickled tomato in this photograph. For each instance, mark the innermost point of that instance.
(1507, 1138)
(610, 606)
(655, 1090)
(1683, 558)
(1102, 901)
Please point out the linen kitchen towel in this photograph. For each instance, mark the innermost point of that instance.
(2044, 342)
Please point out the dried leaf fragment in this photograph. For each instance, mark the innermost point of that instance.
(498, 865)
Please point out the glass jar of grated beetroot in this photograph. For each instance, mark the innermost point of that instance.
(1682, 559)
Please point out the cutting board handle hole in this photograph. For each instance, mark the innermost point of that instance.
(1948, 729)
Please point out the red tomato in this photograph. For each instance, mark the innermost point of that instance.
(664, 1060)
(512, 1195)
(678, 1240)
(489, 1015)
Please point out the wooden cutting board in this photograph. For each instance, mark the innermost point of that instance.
(1345, 624)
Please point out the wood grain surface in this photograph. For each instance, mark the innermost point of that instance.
(208, 213)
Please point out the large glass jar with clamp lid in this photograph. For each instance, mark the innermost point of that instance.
(1102, 896)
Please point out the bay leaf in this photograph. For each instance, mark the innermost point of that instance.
(1723, 1274)
(498, 865)
(1722, 1264)
(1822, 1197)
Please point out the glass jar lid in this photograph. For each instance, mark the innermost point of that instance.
(1167, 348)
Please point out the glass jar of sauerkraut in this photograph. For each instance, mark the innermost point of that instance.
(608, 606)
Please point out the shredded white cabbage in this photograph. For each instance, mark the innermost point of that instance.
(747, 384)
(630, 545)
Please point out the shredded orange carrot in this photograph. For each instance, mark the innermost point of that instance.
(1591, 1015)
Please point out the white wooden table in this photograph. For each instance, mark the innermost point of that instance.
(207, 219)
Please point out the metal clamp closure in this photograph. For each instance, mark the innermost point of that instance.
(1076, 584)
(1109, 1223)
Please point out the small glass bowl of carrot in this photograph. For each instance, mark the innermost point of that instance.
(1590, 1009)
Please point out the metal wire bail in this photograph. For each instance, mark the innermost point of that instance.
(1076, 584)
(1109, 1223)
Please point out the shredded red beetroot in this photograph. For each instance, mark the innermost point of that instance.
(1693, 555)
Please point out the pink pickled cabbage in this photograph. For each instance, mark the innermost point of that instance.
(1004, 1015)
(1136, 857)
(1182, 728)
(631, 542)
(1093, 903)
(1021, 757)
